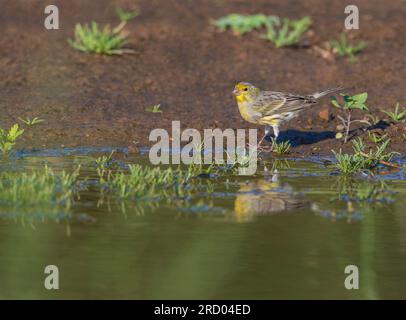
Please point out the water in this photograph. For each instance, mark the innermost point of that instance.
(279, 234)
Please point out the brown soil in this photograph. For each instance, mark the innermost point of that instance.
(184, 64)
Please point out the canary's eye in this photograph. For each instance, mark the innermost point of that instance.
(245, 89)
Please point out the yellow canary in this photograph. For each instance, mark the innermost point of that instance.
(265, 197)
(270, 108)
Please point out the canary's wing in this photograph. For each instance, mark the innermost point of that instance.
(270, 103)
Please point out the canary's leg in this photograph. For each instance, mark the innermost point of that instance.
(276, 132)
(265, 149)
(267, 131)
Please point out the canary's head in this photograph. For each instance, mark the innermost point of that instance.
(245, 92)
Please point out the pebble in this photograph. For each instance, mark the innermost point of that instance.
(340, 127)
(324, 114)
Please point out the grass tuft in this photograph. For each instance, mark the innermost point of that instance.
(37, 188)
(281, 148)
(92, 39)
(361, 159)
(154, 109)
(342, 47)
(286, 32)
(30, 122)
(280, 31)
(396, 115)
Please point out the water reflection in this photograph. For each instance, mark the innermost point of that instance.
(266, 197)
(189, 248)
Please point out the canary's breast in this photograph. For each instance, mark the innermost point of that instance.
(246, 112)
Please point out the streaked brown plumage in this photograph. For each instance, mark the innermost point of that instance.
(271, 108)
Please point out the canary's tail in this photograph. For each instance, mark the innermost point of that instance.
(320, 94)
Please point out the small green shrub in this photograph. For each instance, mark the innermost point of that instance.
(361, 159)
(350, 103)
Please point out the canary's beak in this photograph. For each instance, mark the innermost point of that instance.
(236, 92)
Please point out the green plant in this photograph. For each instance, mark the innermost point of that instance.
(126, 16)
(355, 190)
(349, 163)
(395, 115)
(242, 24)
(376, 138)
(105, 161)
(350, 103)
(286, 32)
(154, 109)
(8, 138)
(281, 32)
(30, 122)
(371, 119)
(343, 48)
(361, 159)
(91, 39)
(37, 188)
(374, 156)
(280, 148)
(145, 182)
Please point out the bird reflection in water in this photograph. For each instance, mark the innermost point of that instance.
(265, 197)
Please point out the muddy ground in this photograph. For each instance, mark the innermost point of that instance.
(187, 66)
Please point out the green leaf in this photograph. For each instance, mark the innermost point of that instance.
(360, 106)
(360, 98)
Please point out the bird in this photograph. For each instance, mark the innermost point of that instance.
(265, 197)
(272, 108)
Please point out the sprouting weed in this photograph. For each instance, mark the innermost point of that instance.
(373, 120)
(154, 109)
(349, 163)
(286, 32)
(8, 138)
(343, 48)
(362, 159)
(242, 24)
(281, 148)
(395, 115)
(280, 31)
(377, 138)
(126, 16)
(30, 122)
(350, 103)
(92, 39)
(38, 188)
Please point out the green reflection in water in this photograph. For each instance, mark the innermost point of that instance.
(280, 234)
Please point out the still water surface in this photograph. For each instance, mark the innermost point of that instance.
(282, 233)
